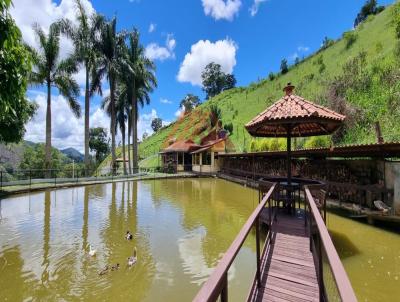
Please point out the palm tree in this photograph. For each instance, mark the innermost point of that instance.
(140, 82)
(111, 60)
(121, 116)
(49, 70)
(83, 37)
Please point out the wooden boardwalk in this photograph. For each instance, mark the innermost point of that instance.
(287, 269)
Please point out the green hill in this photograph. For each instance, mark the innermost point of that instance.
(358, 75)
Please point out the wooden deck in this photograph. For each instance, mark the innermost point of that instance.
(287, 270)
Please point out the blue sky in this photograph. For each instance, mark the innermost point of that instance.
(247, 37)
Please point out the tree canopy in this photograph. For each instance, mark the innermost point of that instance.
(156, 124)
(369, 8)
(15, 66)
(190, 102)
(284, 66)
(99, 142)
(215, 80)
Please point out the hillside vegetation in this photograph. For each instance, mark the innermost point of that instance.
(357, 75)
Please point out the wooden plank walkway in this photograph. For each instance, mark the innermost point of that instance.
(287, 268)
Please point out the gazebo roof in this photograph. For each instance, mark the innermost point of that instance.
(293, 112)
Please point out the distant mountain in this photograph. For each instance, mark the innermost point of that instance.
(73, 154)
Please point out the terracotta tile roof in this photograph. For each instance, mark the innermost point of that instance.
(209, 145)
(182, 146)
(308, 118)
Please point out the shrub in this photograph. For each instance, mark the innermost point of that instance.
(378, 47)
(327, 43)
(317, 142)
(277, 144)
(349, 37)
(229, 127)
(271, 76)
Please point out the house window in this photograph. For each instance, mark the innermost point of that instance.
(180, 158)
(207, 158)
(197, 159)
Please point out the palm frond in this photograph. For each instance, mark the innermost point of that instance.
(69, 88)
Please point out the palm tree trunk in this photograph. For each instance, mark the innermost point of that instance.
(134, 125)
(87, 109)
(129, 143)
(112, 130)
(48, 131)
(123, 149)
(135, 137)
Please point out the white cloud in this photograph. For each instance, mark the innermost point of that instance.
(303, 48)
(165, 101)
(254, 8)
(44, 13)
(152, 27)
(156, 52)
(67, 130)
(179, 113)
(221, 9)
(202, 53)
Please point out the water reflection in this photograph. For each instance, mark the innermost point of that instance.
(181, 229)
(46, 239)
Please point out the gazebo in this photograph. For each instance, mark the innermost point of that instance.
(294, 116)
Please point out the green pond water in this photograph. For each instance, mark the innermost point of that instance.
(181, 227)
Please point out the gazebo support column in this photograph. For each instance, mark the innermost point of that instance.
(289, 167)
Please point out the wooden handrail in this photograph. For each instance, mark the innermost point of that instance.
(343, 284)
(215, 283)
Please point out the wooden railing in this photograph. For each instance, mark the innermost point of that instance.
(217, 284)
(321, 245)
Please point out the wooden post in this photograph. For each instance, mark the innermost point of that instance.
(258, 272)
(379, 137)
(224, 292)
(320, 271)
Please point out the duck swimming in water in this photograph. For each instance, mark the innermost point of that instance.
(104, 270)
(132, 259)
(115, 267)
(128, 235)
(92, 252)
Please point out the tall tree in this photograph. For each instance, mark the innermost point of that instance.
(370, 7)
(83, 37)
(15, 66)
(156, 124)
(139, 83)
(111, 60)
(51, 71)
(121, 117)
(99, 143)
(215, 81)
(284, 66)
(190, 102)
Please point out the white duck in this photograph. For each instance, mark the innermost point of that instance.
(92, 252)
(128, 235)
(132, 259)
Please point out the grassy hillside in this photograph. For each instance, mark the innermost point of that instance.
(370, 87)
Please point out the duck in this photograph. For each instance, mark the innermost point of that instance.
(115, 267)
(132, 259)
(128, 235)
(92, 252)
(104, 270)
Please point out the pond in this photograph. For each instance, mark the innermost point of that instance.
(180, 228)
